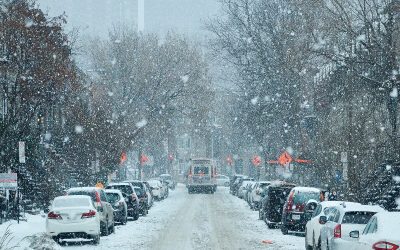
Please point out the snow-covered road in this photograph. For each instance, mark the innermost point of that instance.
(195, 221)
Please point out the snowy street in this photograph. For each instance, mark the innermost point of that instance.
(183, 221)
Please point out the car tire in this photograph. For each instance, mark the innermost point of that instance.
(136, 215)
(96, 239)
(284, 229)
(270, 225)
(112, 228)
(55, 238)
(104, 228)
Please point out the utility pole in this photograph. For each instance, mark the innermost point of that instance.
(140, 15)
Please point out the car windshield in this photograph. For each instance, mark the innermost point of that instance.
(303, 197)
(138, 191)
(357, 217)
(199, 170)
(72, 202)
(123, 188)
(113, 197)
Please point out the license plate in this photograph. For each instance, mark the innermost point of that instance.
(296, 216)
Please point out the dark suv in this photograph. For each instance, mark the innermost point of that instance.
(293, 216)
(128, 192)
(272, 201)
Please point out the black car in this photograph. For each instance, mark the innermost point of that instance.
(273, 198)
(132, 199)
(147, 191)
(144, 209)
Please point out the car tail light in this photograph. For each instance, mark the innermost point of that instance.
(289, 205)
(54, 216)
(337, 231)
(300, 207)
(89, 214)
(384, 245)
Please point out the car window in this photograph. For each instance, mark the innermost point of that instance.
(317, 210)
(123, 188)
(357, 217)
(103, 196)
(113, 197)
(331, 215)
(303, 197)
(201, 170)
(371, 226)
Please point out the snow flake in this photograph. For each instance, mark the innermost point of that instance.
(78, 129)
(185, 78)
(290, 150)
(396, 179)
(394, 93)
(254, 101)
(388, 167)
(47, 136)
(113, 61)
(141, 123)
(110, 93)
(117, 41)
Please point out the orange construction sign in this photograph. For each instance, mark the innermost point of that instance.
(285, 159)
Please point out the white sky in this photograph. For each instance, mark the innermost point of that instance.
(96, 17)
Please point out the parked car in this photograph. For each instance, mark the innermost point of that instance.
(381, 232)
(102, 206)
(293, 216)
(222, 180)
(238, 183)
(164, 188)
(156, 188)
(144, 209)
(313, 226)
(128, 192)
(271, 205)
(255, 195)
(341, 220)
(118, 202)
(243, 188)
(249, 188)
(168, 178)
(150, 192)
(73, 216)
(232, 181)
(146, 188)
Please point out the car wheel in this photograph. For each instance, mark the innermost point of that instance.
(96, 239)
(112, 227)
(136, 216)
(284, 229)
(270, 225)
(104, 231)
(55, 238)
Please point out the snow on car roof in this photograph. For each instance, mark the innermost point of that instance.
(307, 189)
(165, 175)
(86, 189)
(278, 183)
(119, 184)
(69, 197)
(116, 191)
(335, 203)
(353, 206)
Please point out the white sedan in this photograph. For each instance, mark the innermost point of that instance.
(73, 216)
(313, 226)
(381, 232)
(156, 188)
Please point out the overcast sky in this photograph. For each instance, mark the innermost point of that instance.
(96, 17)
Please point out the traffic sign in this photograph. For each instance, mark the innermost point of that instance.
(256, 160)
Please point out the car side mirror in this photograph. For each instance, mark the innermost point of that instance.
(322, 220)
(355, 234)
